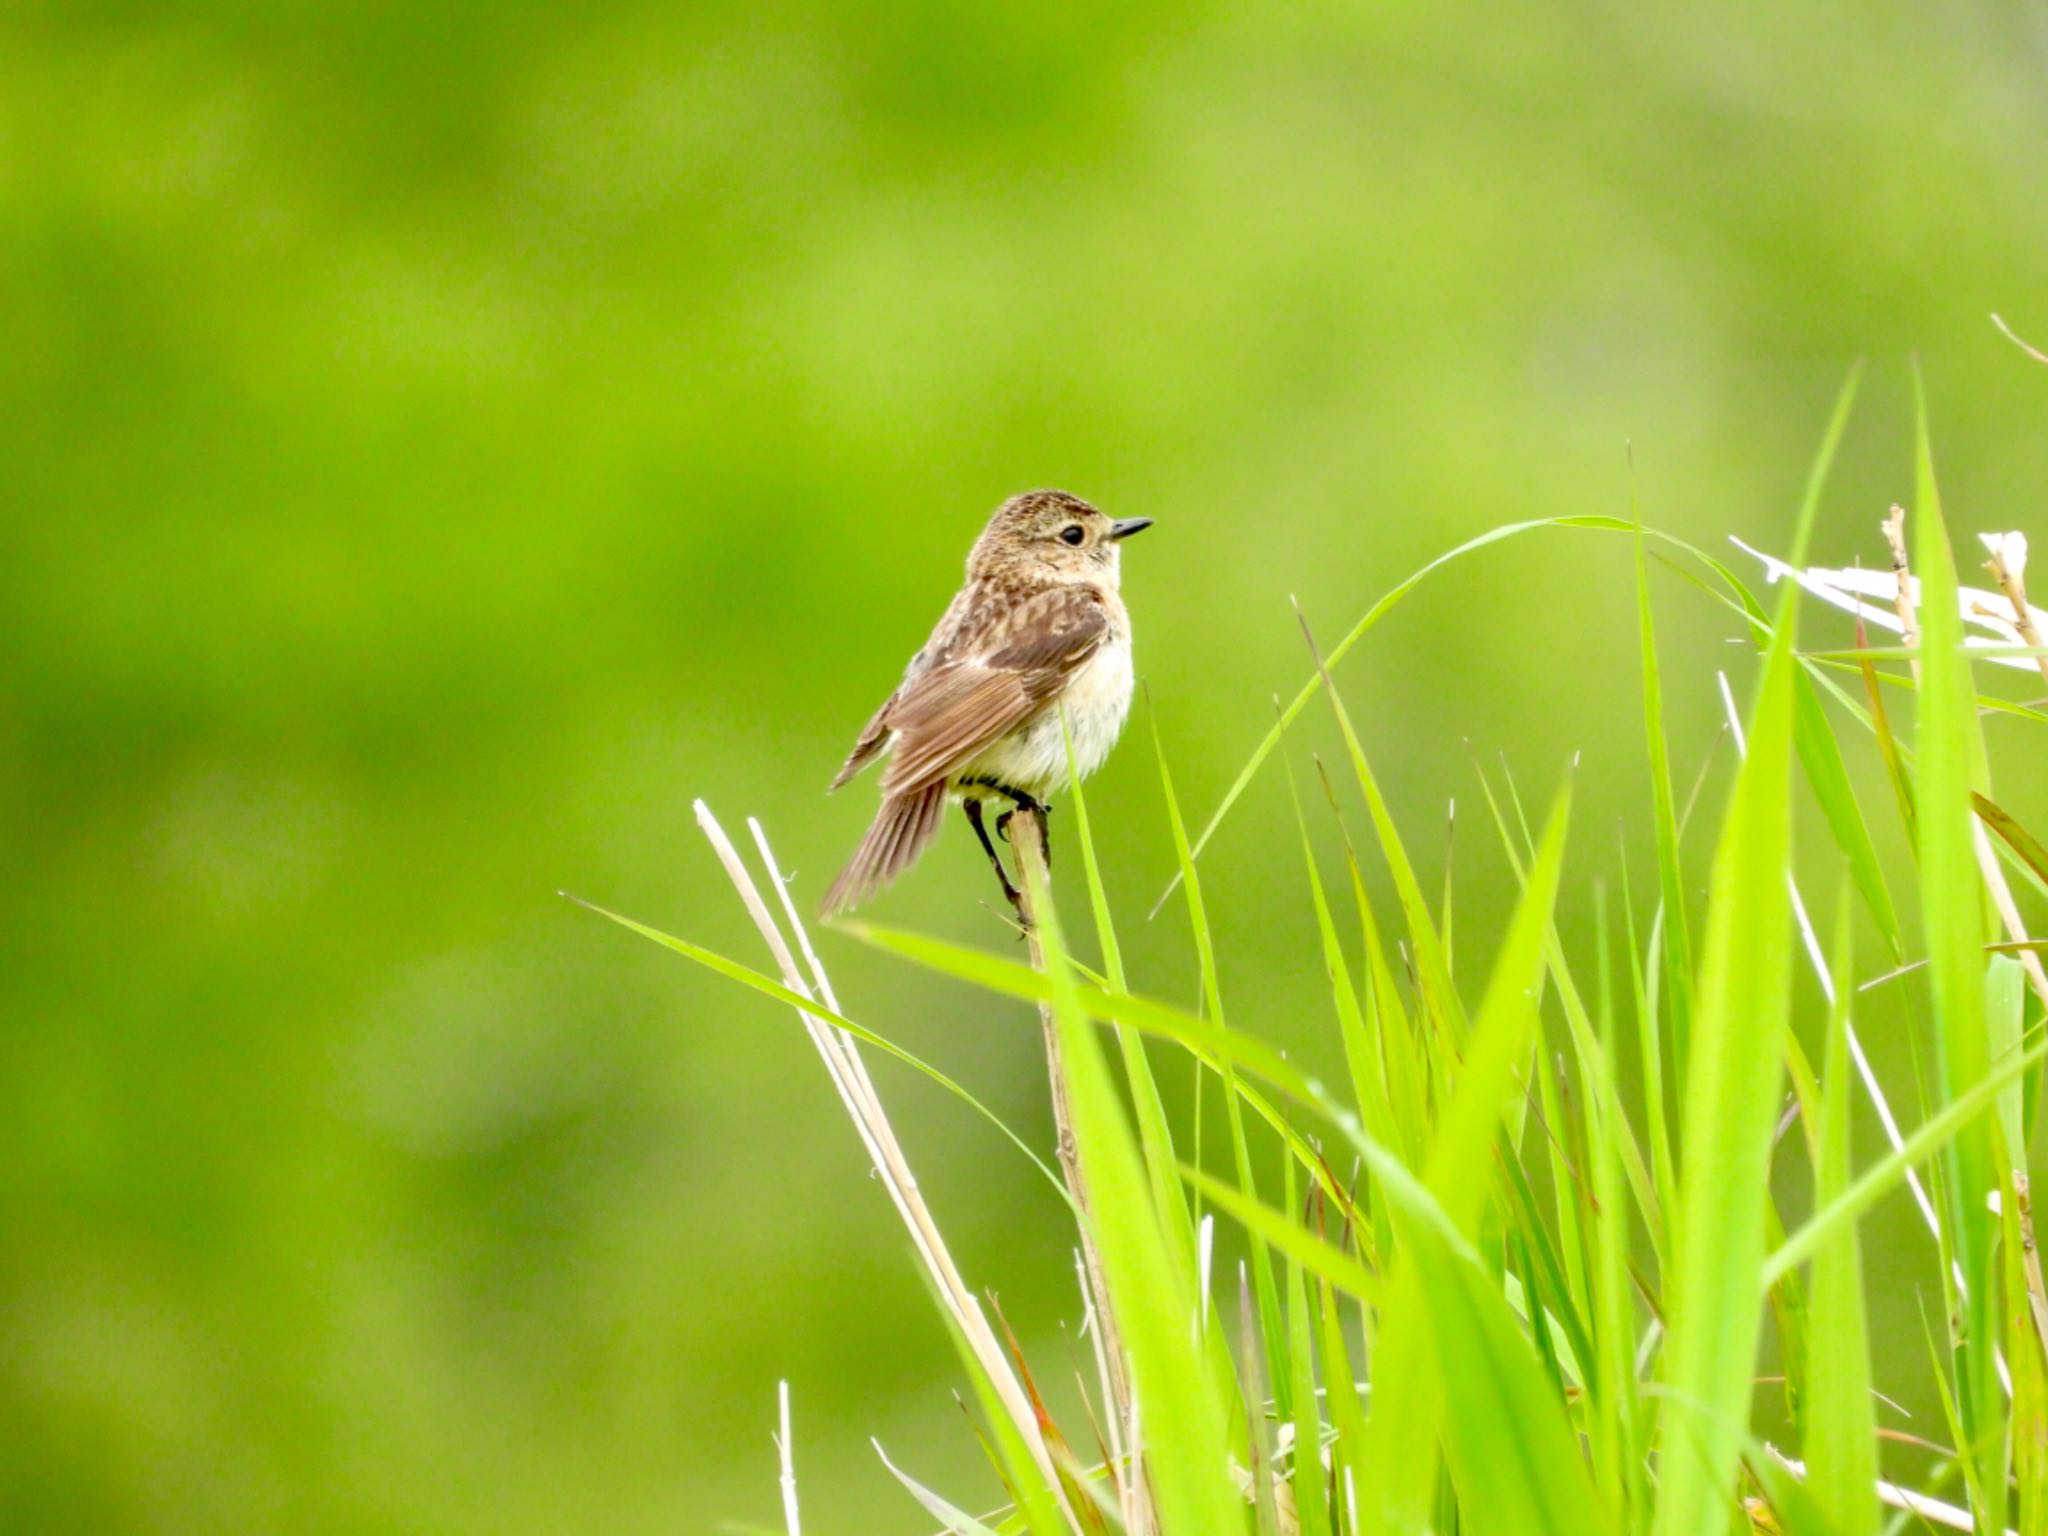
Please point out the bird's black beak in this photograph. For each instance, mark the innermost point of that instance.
(1124, 527)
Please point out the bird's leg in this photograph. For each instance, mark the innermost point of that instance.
(1010, 892)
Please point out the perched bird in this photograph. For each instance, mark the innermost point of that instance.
(1038, 626)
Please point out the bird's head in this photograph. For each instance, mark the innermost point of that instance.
(1052, 534)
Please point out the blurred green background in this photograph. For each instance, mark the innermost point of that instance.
(439, 440)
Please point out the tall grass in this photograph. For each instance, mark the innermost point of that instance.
(1487, 1296)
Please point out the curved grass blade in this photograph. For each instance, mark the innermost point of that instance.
(1598, 522)
(1373, 615)
(767, 986)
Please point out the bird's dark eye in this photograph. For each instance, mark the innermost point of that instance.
(1073, 533)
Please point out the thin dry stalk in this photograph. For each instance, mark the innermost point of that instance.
(1119, 1463)
(2013, 336)
(1933, 1511)
(1027, 839)
(1894, 526)
(1139, 1515)
(2008, 567)
(843, 1064)
(787, 1455)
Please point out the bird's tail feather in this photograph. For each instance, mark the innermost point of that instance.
(903, 828)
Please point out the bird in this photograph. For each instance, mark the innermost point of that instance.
(1038, 628)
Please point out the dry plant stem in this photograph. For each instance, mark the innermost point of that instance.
(1894, 527)
(2012, 336)
(848, 1072)
(1123, 1462)
(787, 1455)
(1933, 1511)
(1027, 842)
(2013, 585)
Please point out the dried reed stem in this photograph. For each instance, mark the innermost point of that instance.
(2008, 567)
(785, 1452)
(1933, 1511)
(1028, 842)
(843, 1064)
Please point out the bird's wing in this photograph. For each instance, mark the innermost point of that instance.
(873, 737)
(946, 716)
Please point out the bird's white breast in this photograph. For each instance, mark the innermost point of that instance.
(1097, 699)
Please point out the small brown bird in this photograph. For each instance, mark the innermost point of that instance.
(1038, 625)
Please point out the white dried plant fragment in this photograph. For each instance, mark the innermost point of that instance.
(2010, 551)
(1874, 595)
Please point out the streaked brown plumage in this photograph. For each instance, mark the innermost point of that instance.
(1038, 624)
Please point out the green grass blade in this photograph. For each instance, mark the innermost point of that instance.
(1952, 915)
(957, 1521)
(1347, 1410)
(1551, 1290)
(1213, 1048)
(767, 986)
(1613, 1439)
(1155, 1132)
(1359, 1034)
(1461, 1158)
(1038, 1505)
(1233, 1104)
(1312, 1251)
(1311, 1497)
(1643, 976)
(1792, 1503)
(1373, 615)
(1820, 758)
(2005, 1011)
(1407, 1073)
(1440, 997)
(1408, 1395)
(1594, 521)
(1513, 1454)
(1187, 1445)
(1888, 1172)
(2024, 845)
(1841, 1424)
(1676, 929)
(1590, 1053)
(1730, 1106)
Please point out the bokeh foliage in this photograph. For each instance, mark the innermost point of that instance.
(436, 441)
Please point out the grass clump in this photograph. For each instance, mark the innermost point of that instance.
(1515, 1277)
